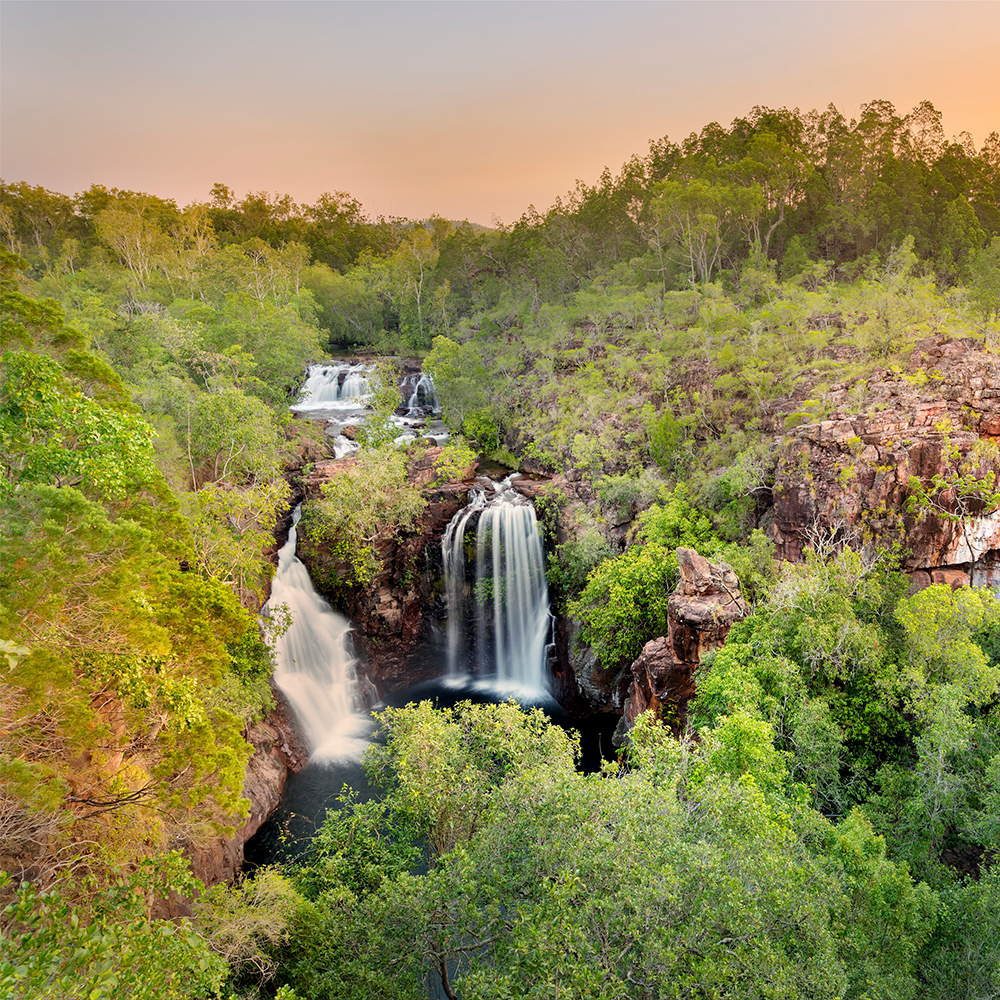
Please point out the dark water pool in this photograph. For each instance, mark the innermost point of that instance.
(314, 790)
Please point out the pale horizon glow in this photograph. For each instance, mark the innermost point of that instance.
(467, 110)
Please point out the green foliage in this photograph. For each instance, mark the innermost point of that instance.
(460, 381)
(51, 948)
(244, 924)
(231, 527)
(688, 872)
(360, 846)
(940, 625)
(475, 749)
(623, 496)
(962, 957)
(454, 462)
(378, 429)
(366, 500)
(231, 438)
(124, 649)
(624, 603)
(571, 564)
(670, 441)
(986, 280)
(52, 432)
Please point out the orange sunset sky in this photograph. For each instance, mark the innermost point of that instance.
(469, 110)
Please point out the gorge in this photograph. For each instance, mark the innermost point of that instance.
(738, 527)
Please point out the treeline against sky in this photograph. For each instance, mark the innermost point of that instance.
(796, 189)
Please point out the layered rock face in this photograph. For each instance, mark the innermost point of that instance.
(850, 474)
(390, 615)
(700, 613)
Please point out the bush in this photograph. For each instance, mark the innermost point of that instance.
(624, 603)
(367, 499)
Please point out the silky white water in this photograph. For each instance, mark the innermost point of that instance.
(315, 667)
(337, 387)
(340, 394)
(501, 629)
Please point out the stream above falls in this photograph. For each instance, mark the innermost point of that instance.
(338, 393)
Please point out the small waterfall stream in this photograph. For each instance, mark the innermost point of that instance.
(333, 387)
(315, 667)
(423, 399)
(499, 627)
(339, 394)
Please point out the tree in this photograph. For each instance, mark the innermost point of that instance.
(412, 266)
(231, 528)
(624, 603)
(378, 430)
(941, 627)
(348, 308)
(894, 302)
(53, 949)
(782, 173)
(475, 749)
(136, 240)
(122, 646)
(701, 216)
(369, 499)
(460, 378)
(51, 432)
(677, 875)
(985, 272)
(230, 438)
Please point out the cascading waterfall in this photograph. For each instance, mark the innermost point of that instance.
(315, 668)
(422, 398)
(334, 386)
(453, 557)
(509, 602)
(355, 385)
(340, 393)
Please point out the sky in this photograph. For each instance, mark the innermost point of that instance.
(467, 110)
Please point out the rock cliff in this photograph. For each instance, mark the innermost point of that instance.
(395, 612)
(850, 474)
(278, 751)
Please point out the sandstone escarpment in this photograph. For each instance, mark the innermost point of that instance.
(850, 475)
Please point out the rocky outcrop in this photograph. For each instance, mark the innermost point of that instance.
(849, 475)
(700, 613)
(392, 616)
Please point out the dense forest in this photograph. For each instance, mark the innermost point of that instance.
(826, 821)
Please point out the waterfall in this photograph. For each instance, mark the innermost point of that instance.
(505, 619)
(332, 386)
(453, 557)
(423, 398)
(340, 393)
(315, 667)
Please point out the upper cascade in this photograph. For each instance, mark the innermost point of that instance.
(331, 386)
(340, 393)
(499, 622)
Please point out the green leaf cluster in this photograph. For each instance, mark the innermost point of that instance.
(624, 603)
